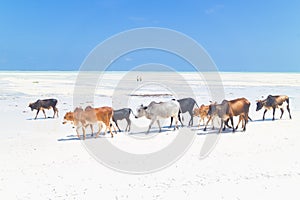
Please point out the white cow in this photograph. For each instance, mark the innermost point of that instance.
(155, 111)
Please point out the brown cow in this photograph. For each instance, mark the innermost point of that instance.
(202, 112)
(82, 118)
(274, 102)
(228, 109)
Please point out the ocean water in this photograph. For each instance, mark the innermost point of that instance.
(42, 84)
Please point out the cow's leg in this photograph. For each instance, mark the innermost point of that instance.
(240, 119)
(203, 119)
(222, 122)
(244, 122)
(105, 129)
(288, 108)
(117, 125)
(111, 124)
(264, 113)
(282, 111)
(92, 129)
(77, 132)
(44, 113)
(191, 122)
(179, 118)
(226, 124)
(99, 129)
(158, 125)
(274, 114)
(55, 111)
(207, 123)
(171, 122)
(176, 123)
(128, 124)
(109, 127)
(83, 131)
(200, 119)
(231, 119)
(151, 123)
(238, 122)
(37, 113)
(212, 123)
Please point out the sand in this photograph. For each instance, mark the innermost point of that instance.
(43, 159)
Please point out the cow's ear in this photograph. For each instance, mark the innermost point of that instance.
(145, 107)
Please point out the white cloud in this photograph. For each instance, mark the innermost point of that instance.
(128, 59)
(214, 9)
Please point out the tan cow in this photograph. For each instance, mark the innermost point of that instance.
(202, 113)
(82, 118)
(228, 109)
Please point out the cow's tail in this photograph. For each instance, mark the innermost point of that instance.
(132, 113)
(180, 112)
(196, 104)
(250, 118)
(287, 100)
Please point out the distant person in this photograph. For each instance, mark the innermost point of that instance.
(139, 78)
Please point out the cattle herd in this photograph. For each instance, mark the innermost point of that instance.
(106, 116)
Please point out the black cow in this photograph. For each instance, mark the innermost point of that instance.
(186, 105)
(274, 102)
(44, 104)
(123, 114)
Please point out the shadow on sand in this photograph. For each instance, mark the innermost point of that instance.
(154, 131)
(261, 120)
(88, 137)
(40, 118)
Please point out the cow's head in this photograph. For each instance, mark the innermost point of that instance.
(69, 117)
(88, 108)
(259, 105)
(141, 111)
(31, 106)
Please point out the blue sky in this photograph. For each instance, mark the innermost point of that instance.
(238, 35)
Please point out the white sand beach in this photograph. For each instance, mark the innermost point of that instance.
(43, 159)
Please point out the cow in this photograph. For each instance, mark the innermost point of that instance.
(186, 105)
(82, 118)
(228, 109)
(122, 114)
(273, 102)
(154, 111)
(44, 104)
(202, 113)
